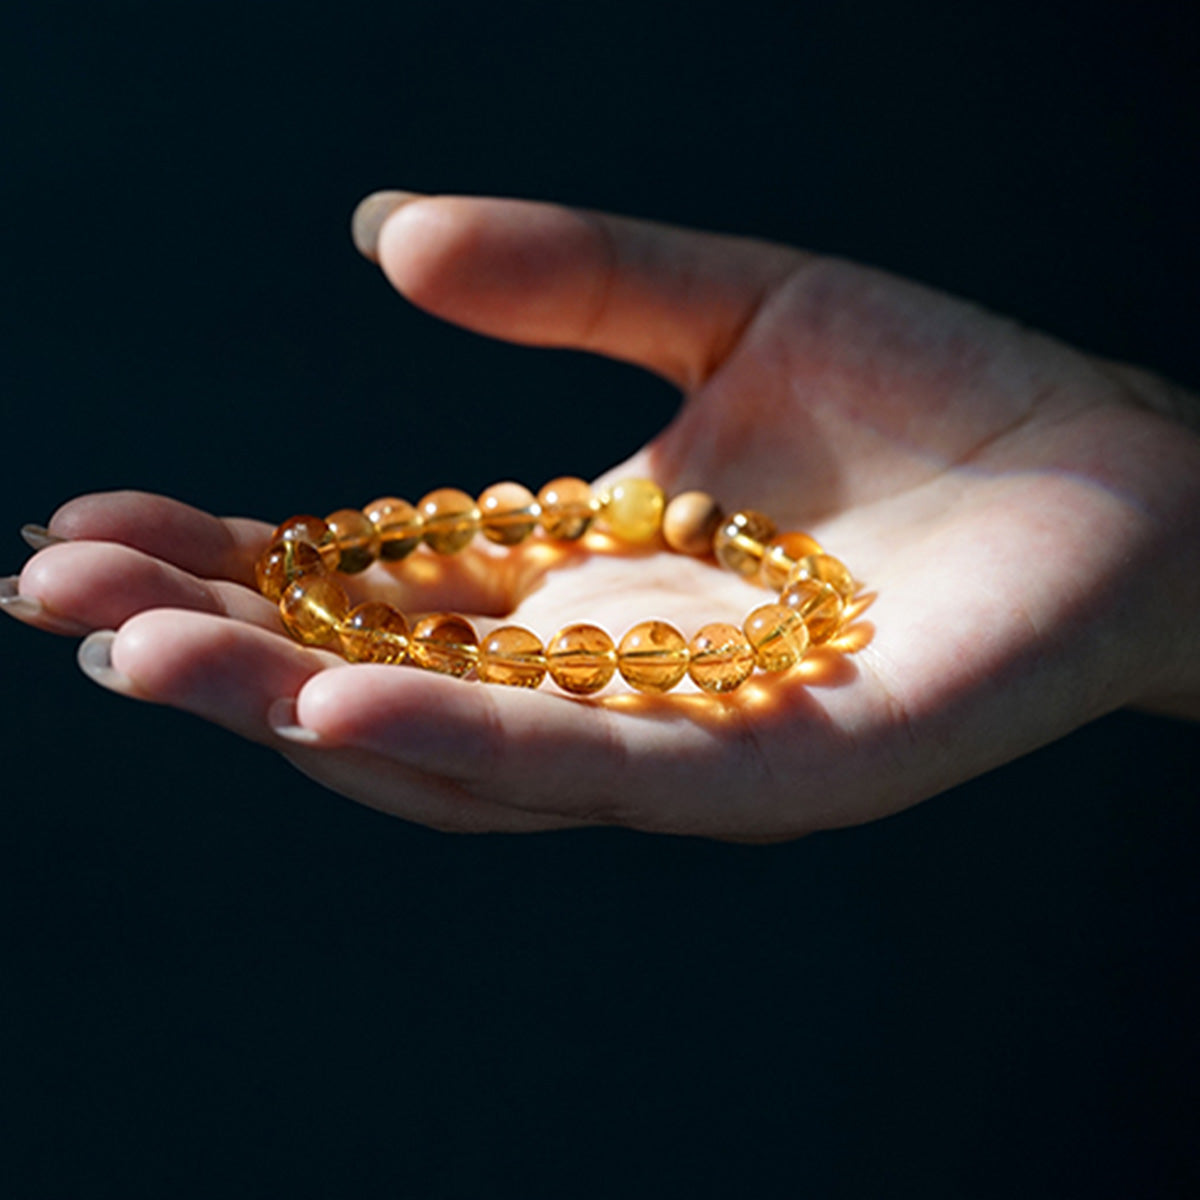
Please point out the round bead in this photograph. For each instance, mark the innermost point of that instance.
(689, 522)
(312, 608)
(740, 541)
(828, 570)
(314, 531)
(777, 635)
(444, 642)
(356, 538)
(374, 632)
(567, 508)
(720, 658)
(581, 659)
(282, 563)
(653, 657)
(818, 605)
(513, 656)
(450, 519)
(508, 513)
(632, 510)
(782, 554)
(398, 525)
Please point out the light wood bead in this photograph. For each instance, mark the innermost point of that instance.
(652, 657)
(508, 513)
(689, 522)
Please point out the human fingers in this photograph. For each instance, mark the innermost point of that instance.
(672, 300)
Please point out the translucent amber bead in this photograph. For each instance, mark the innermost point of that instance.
(720, 658)
(632, 510)
(312, 608)
(450, 519)
(444, 642)
(398, 525)
(508, 513)
(581, 659)
(312, 530)
(653, 657)
(741, 540)
(777, 635)
(689, 522)
(282, 563)
(781, 556)
(818, 605)
(513, 656)
(567, 508)
(828, 570)
(374, 632)
(357, 540)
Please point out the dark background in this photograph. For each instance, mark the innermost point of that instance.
(219, 979)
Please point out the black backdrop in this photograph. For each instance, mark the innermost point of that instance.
(219, 979)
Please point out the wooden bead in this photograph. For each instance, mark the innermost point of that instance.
(777, 635)
(689, 522)
(818, 605)
(513, 656)
(312, 608)
(653, 657)
(741, 540)
(398, 524)
(782, 554)
(374, 632)
(508, 513)
(356, 538)
(450, 519)
(282, 563)
(567, 508)
(632, 510)
(314, 531)
(720, 658)
(444, 642)
(581, 658)
(828, 570)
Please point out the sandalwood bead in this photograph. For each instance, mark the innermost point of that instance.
(450, 519)
(632, 510)
(508, 513)
(282, 563)
(398, 524)
(720, 658)
(818, 606)
(652, 657)
(828, 570)
(581, 658)
(781, 556)
(444, 642)
(689, 522)
(314, 531)
(513, 656)
(777, 635)
(567, 508)
(357, 540)
(374, 632)
(741, 540)
(312, 608)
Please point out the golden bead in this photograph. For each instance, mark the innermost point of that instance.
(513, 656)
(508, 513)
(689, 522)
(444, 642)
(740, 541)
(282, 563)
(450, 519)
(312, 530)
(818, 606)
(398, 525)
(632, 510)
(581, 659)
(653, 657)
(781, 555)
(721, 658)
(356, 538)
(374, 632)
(777, 635)
(312, 608)
(567, 508)
(828, 570)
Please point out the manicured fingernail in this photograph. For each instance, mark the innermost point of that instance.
(24, 608)
(369, 217)
(39, 537)
(95, 660)
(281, 717)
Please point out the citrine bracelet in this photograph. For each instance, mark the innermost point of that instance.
(297, 570)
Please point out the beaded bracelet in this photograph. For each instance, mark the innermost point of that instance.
(297, 568)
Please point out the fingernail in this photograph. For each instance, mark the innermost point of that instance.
(24, 608)
(281, 717)
(370, 215)
(95, 660)
(39, 537)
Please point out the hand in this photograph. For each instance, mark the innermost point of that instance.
(1023, 516)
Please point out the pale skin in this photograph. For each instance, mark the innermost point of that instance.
(1025, 518)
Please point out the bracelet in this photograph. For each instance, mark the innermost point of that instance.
(297, 570)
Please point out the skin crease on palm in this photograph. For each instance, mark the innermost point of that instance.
(1024, 517)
